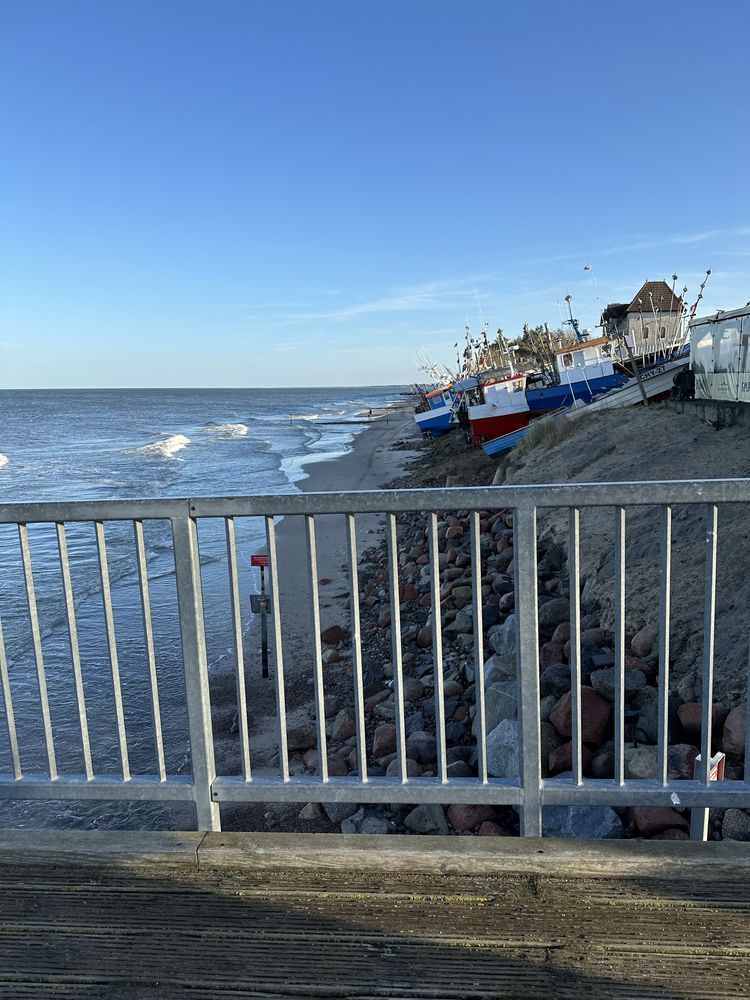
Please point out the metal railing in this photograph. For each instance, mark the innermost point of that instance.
(528, 792)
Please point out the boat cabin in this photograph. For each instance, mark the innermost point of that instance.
(590, 359)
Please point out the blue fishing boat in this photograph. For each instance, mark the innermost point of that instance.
(582, 371)
(435, 414)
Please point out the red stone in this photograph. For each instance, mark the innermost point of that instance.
(455, 531)
(408, 593)
(465, 818)
(734, 731)
(425, 600)
(333, 635)
(690, 716)
(384, 740)
(561, 633)
(643, 641)
(595, 712)
(655, 819)
(490, 829)
(424, 637)
(384, 618)
(561, 759)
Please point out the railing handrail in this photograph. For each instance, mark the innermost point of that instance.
(643, 493)
(528, 792)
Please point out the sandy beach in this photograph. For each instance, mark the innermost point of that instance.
(378, 455)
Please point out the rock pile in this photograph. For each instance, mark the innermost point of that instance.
(498, 631)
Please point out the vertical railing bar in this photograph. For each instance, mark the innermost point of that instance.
(75, 656)
(359, 697)
(398, 678)
(109, 620)
(619, 702)
(195, 665)
(319, 689)
(476, 589)
(665, 573)
(10, 718)
(527, 618)
(278, 647)
(36, 637)
(574, 587)
(437, 648)
(234, 596)
(148, 632)
(708, 648)
(746, 771)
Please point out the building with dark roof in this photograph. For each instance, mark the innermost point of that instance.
(653, 319)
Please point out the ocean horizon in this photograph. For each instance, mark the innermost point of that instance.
(90, 444)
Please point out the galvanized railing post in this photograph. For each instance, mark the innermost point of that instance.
(192, 634)
(527, 635)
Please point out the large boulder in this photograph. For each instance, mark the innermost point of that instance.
(466, 818)
(504, 750)
(584, 822)
(427, 819)
(499, 668)
(500, 702)
(554, 613)
(604, 681)
(643, 641)
(735, 825)
(502, 639)
(595, 712)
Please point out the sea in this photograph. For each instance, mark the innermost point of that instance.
(76, 445)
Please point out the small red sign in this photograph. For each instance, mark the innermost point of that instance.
(259, 560)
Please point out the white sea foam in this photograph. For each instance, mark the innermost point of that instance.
(227, 430)
(3, 460)
(167, 447)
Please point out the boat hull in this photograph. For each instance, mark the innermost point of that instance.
(657, 383)
(435, 422)
(554, 397)
(485, 427)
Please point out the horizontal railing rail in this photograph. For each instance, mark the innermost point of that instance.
(207, 786)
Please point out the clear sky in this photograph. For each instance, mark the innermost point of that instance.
(302, 192)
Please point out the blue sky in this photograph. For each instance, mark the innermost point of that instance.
(233, 193)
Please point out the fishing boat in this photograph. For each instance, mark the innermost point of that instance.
(496, 406)
(656, 382)
(581, 371)
(435, 414)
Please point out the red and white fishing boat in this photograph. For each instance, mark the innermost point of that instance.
(497, 406)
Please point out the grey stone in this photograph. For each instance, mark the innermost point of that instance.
(338, 811)
(311, 811)
(603, 682)
(413, 723)
(460, 769)
(555, 681)
(499, 668)
(427, 819)
(546, 705)
(455, 731)
(500, 702)
(502, 639)
(553, 612)
(735, 825)
(585, 822)
(462, 623)
(504, 750)
(421, 747)
(301, 736)
(412, 688)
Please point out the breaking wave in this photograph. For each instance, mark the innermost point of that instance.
(227, 430)
(3, 460)
(166, 448)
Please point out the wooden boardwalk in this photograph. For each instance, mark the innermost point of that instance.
(148, 916)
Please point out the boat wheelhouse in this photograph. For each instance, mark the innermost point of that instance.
(582, 371)
(497, 406)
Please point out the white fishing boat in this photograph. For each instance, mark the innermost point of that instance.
(656, 380)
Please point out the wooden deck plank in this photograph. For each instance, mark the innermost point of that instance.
(265, 922)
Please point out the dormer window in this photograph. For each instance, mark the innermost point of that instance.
(568, 360)
(645, 333)
(663, 333)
